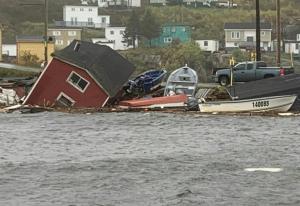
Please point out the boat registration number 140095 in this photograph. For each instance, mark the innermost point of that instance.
(261, 104)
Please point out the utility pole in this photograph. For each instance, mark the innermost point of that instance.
(45, 33)
(278, 26)
(258, 53)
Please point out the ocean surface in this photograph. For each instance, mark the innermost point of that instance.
(148, 159)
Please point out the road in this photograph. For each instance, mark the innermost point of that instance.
(19, 68)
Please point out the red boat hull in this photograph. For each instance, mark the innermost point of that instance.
(166, 101)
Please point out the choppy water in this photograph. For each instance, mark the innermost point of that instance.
(139, 159)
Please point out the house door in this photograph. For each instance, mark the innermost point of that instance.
(250, 39)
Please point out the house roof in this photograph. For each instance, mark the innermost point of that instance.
(247, 25)
(175, 25)
(28, 38)
(107, 67)
(291, 32)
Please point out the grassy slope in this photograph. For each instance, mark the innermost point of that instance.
(206, 22)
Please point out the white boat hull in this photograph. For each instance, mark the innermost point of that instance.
(265, 104)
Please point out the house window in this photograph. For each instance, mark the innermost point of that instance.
(74, 20)
(263, 33)
(72, 33)
(68, 42)
(56, 33)
(73, 9)
(205, 43)
(173, 29)
(297, 46)
(235, 35)
(298, 37)
(167, 39)
(59, 42)
(64, 100)
(103, 20)
(236, 44)
(81, 9)
(112, 32)
(90, 9)
(78, 82)
(90, 21)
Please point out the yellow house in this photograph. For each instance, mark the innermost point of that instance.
(31, 49)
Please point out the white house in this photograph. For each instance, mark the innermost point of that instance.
(292, 39)
(124, 3)
(134, 3)
(208, 45)
(114, 38)
(84, 16)
(159, 2)
(9, 50)
(243, 35)
(104, 41)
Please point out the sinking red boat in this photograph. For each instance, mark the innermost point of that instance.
(156, 102)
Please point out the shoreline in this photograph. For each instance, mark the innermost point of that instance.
(181, 111)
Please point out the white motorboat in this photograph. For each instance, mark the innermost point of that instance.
(182, 81)
(264, 104)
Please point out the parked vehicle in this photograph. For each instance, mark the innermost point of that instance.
(250, 71)
(264, 104)
(182, 81)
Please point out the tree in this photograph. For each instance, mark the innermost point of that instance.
(132, 29)
(150, 28)
(177, 55)
(239, 55)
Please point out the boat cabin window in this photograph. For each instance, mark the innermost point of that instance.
(186, 91)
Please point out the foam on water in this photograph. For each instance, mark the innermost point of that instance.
(263, 169)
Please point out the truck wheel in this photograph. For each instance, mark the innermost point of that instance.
(224, 80)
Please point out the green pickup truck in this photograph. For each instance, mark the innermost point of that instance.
(250, 71)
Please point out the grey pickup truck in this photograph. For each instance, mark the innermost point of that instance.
(250, 71)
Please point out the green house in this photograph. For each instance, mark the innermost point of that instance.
(170, 33)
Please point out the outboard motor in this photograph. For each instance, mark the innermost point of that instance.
(192, 104)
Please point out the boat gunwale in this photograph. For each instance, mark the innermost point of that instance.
(248, 100)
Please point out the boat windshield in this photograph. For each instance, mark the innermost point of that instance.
(187, 91)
